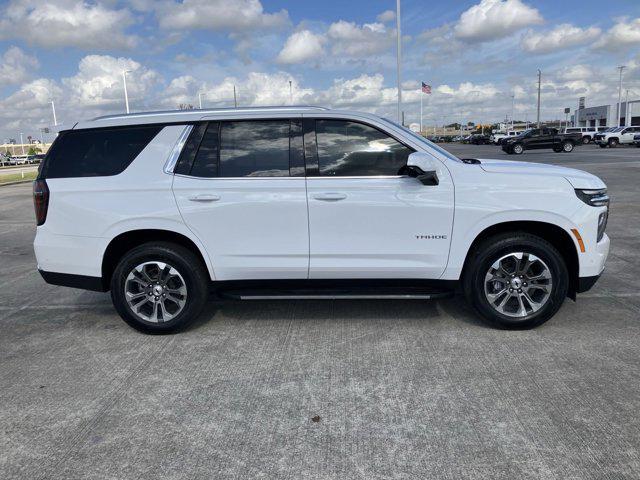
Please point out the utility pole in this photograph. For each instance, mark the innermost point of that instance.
(53, 108)
(621, 68)
(22, 143)
(399, 59)
(235, 99)
(200, 100)
(539, 83)
(290, 93)
(124, 81)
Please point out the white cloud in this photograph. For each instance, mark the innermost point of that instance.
(386, 16)
(66, 23)
(99, 83)
(219, 15)
(493, 19)
(300, 47)
(577, 72)
(561, 37)
(624, 34)
(359, 41)
(16, 66)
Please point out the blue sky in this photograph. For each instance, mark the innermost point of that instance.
(475, 53)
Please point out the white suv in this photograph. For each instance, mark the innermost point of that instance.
(587, 132)
(288, 203)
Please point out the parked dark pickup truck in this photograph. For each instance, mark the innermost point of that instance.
(536, 138)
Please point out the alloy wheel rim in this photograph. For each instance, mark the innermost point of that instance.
(517, 148)
(155, 292)
(518, 284)
(568, 147)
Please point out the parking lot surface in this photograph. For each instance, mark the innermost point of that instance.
(332, 389)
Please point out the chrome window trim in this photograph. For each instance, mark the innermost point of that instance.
(171, 162)
(293, 178)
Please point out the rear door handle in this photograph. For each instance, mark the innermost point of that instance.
(329, 196)
(204, 197)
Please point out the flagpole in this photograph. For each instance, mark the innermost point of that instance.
(421, 96)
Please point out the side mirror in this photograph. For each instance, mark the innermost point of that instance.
(422, 167)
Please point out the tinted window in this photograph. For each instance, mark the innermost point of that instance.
(254, 149)
(353, 149)
(187, 156)
(95, 153)
(206, 161)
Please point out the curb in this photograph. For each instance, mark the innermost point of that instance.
(15, 183)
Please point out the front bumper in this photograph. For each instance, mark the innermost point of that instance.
(585, 283)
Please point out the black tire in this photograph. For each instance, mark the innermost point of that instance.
(518, 149)
(613, 142)
(489, 251)
(586, 140)
(602, 145)
(567, 146)
(185, 262)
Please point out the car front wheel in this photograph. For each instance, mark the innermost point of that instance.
(159, 287)
(567, 147)
(517, 149)
(613, 142)
(516, 280)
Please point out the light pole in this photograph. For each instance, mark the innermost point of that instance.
(399, 59)
(22, 143)
(53, 109)
(124, 81)
(235, 99)
(621, 68)
(513, 101)
(539, 82)
(290, 93)
(626, 109)
(200, 100)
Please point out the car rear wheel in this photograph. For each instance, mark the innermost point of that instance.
(516, 280)
(517, 149)
(159, 287)
(586, 140)
(567, 147)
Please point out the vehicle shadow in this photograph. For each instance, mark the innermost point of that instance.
(430, 312)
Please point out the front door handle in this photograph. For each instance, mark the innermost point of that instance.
(204, 197)
(330, 196)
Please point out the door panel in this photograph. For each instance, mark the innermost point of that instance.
(253, 228)
(379, 227)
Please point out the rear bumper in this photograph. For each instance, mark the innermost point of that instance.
(75, 281)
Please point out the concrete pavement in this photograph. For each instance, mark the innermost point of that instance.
(399, 389)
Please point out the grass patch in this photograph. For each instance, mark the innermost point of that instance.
(17, 177)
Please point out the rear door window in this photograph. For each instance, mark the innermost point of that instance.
(348, 148)
(252, 148)
(96, 152)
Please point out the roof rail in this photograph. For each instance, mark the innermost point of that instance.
(206, 111)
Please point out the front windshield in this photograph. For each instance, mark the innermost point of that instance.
(618, 129)
(423, 140)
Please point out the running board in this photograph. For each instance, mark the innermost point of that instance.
(333, 295)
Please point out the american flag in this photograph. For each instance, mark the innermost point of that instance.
(426, 88)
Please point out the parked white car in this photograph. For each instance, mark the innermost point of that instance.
(497, 137)
(587, 132)
(617, 136)
(297, 203)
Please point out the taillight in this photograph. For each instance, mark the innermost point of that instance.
(40, 200)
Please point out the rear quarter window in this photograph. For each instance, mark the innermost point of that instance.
(96, 152)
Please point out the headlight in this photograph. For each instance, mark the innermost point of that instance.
(595, 198)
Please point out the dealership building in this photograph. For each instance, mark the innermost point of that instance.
(605, 115)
